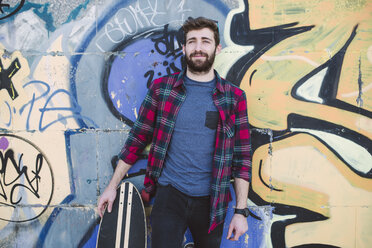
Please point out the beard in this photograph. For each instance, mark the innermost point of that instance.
(198, 65)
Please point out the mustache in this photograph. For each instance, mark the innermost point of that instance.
(198, 54)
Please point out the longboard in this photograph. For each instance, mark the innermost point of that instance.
(125, 226)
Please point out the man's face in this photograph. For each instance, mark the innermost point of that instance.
(200, 50)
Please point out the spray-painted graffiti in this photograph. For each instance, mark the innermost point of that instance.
(73, 76)
(39, 101)
(140, 15)
(25, 179)
(9, 8)
(138, 53)
(73, 109)
(6, 78)
(158, 54)
(298, 86)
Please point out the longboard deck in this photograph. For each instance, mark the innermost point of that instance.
(125, 226)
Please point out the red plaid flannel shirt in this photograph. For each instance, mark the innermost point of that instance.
(155, 124)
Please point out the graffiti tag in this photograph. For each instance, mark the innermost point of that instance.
(25, 179)
(160, 54)
(168, 44)
(48, 114)
(128, 21)
(8, 159)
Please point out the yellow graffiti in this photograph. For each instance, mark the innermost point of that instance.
(309, 169)
(303, 172)
(278, 70)
(52, 71)
(13, 93)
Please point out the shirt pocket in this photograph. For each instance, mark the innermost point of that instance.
(211, 119)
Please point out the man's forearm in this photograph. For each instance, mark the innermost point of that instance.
(239, 224)
(120, 171)
(241, 192)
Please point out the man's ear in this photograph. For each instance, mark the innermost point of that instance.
(218, 49)
(183, 49)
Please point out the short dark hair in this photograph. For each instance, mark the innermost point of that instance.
(200, 23)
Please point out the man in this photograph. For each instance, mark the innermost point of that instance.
(198, 126)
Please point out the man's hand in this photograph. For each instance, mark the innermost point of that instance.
(107, 198)
(238, 226)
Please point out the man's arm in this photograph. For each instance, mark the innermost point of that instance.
(241, 167)
(238, 225)
(241, 192)
(109, 195)
(139, 136)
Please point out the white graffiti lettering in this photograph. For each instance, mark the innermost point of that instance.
(130, 20)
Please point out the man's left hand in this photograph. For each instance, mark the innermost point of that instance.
(238, 226)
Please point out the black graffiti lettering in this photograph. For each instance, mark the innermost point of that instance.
(149, 74)
(2, 192)
(31, 181)
(2, 5)
(165, 44)
(16, 6)
(6, 76)
(38, 165)
(172, 68)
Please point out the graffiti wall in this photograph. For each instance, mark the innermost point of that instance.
(73, 75)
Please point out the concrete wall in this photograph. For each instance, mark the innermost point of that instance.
(73, 76)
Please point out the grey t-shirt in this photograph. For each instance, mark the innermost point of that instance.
(188, 163)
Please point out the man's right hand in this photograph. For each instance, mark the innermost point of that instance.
(107, 198)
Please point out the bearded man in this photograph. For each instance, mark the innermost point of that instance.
(197, 125)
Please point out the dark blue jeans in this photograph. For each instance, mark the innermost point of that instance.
(173, 212)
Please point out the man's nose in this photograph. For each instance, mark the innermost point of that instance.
(198, 46)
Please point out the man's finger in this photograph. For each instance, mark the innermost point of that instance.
(236, 236)
(229, 233)
(109, 207)
(99, 210)
(101, 205)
